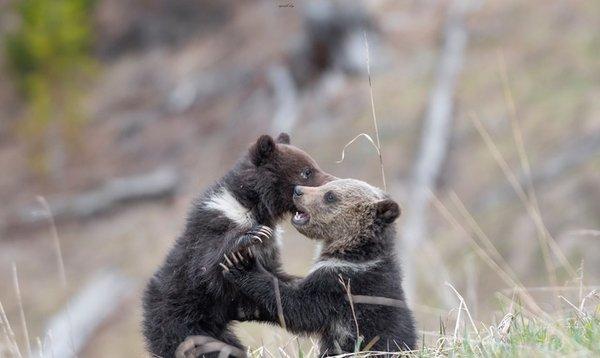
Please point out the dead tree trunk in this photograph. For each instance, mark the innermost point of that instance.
(434, 143)
(286, 99)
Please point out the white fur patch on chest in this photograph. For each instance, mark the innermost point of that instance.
(344, 265)
(278, 233)
(227, 204)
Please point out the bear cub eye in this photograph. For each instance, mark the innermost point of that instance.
(330, 197)
(306, 173)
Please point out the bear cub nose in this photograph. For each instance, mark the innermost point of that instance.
(297, 192)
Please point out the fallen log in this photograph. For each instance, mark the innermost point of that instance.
(74, 326)
(160, 183)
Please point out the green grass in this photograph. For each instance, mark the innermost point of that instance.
(577, 334)
(528, 338)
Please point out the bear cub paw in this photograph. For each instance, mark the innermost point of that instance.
(259, 234)
(242, 257)
(237, 264)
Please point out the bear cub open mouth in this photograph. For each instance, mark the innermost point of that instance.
(300, 218)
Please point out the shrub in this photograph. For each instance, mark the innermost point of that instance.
(48, 54)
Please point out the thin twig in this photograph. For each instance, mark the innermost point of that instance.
(352, 141)
(373, 111)
(506, 277)
(464, 304)
(592, 294)
(372, 343)
(11, 334)
(514, 182)
(580, 279)
(457, 324)
(580, 313)
(526, 167)
(21, 310)
(550, 289)
(349, 293)
(376, 300)
(59, 257)
(480, 233)
(279, 304)
(59, 262)
(283, 352)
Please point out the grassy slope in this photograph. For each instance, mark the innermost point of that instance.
(515, 336)
(528, 337)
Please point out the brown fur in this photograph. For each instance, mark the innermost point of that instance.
(187, 296)
(355, 223)
(341, 227)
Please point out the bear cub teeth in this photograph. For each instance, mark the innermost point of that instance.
(300, 218)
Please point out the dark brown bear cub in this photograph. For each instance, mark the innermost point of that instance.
(187, 296)
(354, 223)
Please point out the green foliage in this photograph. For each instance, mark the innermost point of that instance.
(532, 337)
(48, 55)
(577, 336)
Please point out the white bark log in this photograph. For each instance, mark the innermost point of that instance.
(72, 328)
(157, 184)
(434, 143)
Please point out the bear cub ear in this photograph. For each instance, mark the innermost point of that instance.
(387, 211)
(262, 150)
(283, 138)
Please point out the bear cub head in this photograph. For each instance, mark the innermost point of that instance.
(342, 211)
(277, 168)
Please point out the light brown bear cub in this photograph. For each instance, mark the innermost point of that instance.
(354, 222)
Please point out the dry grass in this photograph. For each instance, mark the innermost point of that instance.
(12, 346)
(526, 329)
(575, 332)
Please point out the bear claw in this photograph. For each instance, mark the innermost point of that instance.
(256, 239)
(237, 261)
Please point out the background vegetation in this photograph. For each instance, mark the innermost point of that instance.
(48, 53)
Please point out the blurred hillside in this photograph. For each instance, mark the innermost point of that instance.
(186, 86)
